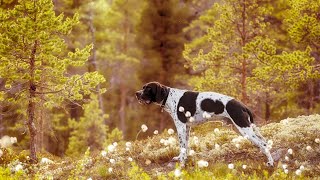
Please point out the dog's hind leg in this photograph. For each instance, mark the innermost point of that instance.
(258, 140)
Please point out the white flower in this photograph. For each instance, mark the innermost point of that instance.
(188, 114)
(110, 170)
(301, 168)
(112, 161)
(217, 146)
(286, 158)
(191, 119)
(128, 144)
(127, 149)
(181, 109)
(286, 171)
(290, 151)
(298, 172)
(244, 166)
(111, 148)
(162, 141)
(1, 152)
(155, 132)
(103, 153)
(147, 162)
(195, 140)
(18, 167)
(13, 140)
(46, 161)
(309, 148)
(172, 141)
(166, 142)
(170, 131)
(238, 145)
(269, 144)
(115, 144)
(203, 163)
(191, 152)
(206, 115)
(130, 159)
(216, 130)
(317, 140)
(284, 166)
(28, 157)
(285, 121)
(177, 173)
(231, 166)
(89, 178)
(144, 128)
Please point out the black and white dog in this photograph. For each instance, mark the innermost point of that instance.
(188, 108)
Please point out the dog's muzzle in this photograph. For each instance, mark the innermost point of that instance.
(141, 101)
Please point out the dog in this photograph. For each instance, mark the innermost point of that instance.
(188, 108)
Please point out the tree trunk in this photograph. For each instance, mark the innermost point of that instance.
(31, 105)
(122, 110)
(268, 111)
(244, 96)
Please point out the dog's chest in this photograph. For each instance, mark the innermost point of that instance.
(189, 106)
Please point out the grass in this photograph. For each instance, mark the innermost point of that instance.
(217, 147)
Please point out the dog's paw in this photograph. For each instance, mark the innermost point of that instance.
(269, 164)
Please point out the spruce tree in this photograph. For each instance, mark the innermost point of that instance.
(35, 60)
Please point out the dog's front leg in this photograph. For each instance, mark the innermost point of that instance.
(183, 133)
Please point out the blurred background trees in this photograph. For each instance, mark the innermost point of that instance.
(265, 53)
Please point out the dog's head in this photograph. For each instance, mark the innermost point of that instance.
(152, 92)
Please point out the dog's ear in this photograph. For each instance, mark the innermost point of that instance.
(159, 93)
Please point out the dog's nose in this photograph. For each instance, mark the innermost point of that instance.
(138, 94)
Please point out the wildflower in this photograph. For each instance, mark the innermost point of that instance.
(290, 151)
(128, 144)
(191, 152)
(286, 171)
(238, 145)
(89, 178)
(216, 130)
(244, 166)
(155, 132)
(202, 163)
(144, 128)
(148, 162)
(115, 144)
(270, 143)
(28, 157)
(130, 159)
(170, 131)
(206, 115)
(301, 168)
(309, 148)
(191, 119)
(103, 153)
(181, 109)
(18, 167)
(172, 141)
(317, 140)
(111, 148)
(195, 140)
(112, 161)
(284, 166)
(285, 121)
(110, 170)
(127, 149)
(298, 172)
(231, 166)
(177, 173)
(286, 158)
(188, 114)
(13, 140)
(1, 152)
(162, 141)
(217, 146)
(46, 161)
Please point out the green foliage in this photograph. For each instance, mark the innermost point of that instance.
(136, 173)
(89, 131)
(5, 173)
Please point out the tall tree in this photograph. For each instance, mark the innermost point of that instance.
(35, 58)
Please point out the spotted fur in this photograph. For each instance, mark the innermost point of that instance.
(188, 108)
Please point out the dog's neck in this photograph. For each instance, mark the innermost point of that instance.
(170, 105)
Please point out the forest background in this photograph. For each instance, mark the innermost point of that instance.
(69, 69)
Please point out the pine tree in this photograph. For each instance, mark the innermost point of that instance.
(89, 131)
(34, 58)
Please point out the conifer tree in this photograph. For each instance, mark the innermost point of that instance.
(34, 60)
